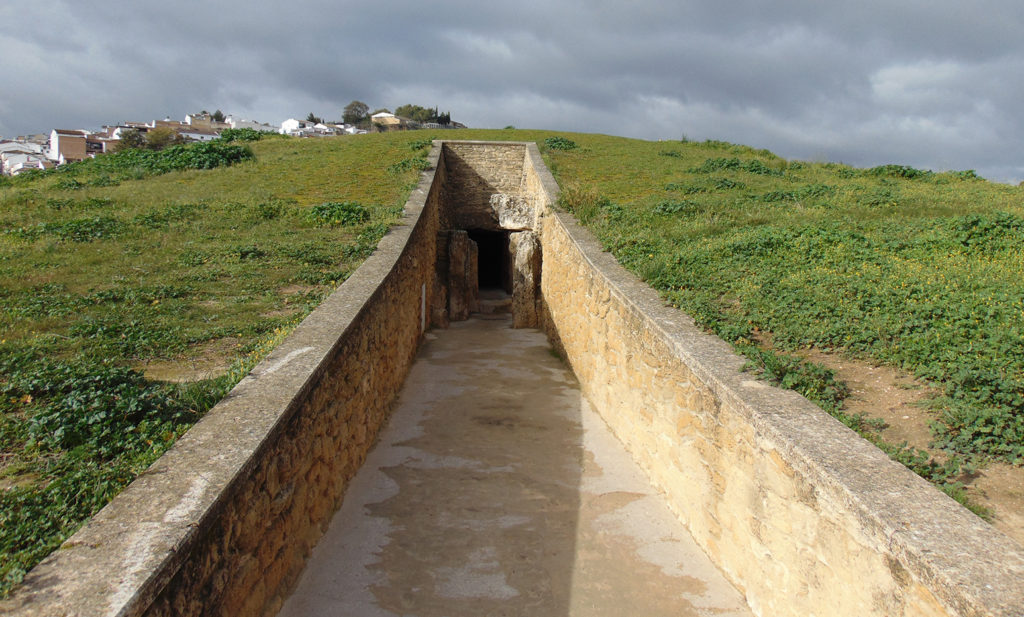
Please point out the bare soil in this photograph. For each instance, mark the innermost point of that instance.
(208, 360)
(899, 400)
(290, 290)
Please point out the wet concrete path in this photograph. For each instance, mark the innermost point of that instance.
(495, 490)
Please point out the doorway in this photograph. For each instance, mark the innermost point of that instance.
(494, 269)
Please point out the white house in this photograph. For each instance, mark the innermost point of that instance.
(250, 124)
(67, 146)
(13, 163)
(304, 128)
(198, 134)
(291, 126)
(23, 147)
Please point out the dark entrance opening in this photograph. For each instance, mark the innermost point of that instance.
(494, 263)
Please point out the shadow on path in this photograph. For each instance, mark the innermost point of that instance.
(496, 491)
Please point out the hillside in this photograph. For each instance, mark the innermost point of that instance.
(809, 267)
(133, 300)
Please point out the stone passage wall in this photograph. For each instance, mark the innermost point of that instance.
(804, 516)
(486, 189)
(477, 171)
(222, 523)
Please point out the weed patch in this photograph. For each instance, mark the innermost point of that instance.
(338, 213)
(161, 218)
(674, 207)
(753, 166)
(419, 144)
(244, 134)
(76, 230)
(560, 143)
(417, 163)
(111, 169)
(899, 171)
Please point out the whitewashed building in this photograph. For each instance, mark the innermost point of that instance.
(198, 134)
(292, 126)
(13, 163)
(250, 124)
(67, 146)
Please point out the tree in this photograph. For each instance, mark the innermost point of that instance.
(423, 114)
(162, 137)
(355, 112)
(313, 118)
(218, 116)
(417, 113)
(130, 138)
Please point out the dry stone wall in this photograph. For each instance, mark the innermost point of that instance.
(485, 180)
(485, 192)
(804, 516)
(222, 523)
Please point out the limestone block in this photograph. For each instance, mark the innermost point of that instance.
(473, 278)
(512, 211)
(463, 281)
(526, 258)
(439, 305)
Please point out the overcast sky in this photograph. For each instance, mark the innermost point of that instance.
(937, 84)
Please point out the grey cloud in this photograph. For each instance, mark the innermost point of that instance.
(925, 83)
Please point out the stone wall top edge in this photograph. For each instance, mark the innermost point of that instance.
(477, 142)
(143, 533)
(547, 180)
(972, 563)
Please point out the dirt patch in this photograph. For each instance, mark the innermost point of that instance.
(885, 393)
(205, 361)
(17, 481)
(5, 459)
(898, 399)
(10, 477)
(290, 290)
(1000, 488)
(285, 312)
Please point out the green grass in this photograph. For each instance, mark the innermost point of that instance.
(906, 267)
(107, 269)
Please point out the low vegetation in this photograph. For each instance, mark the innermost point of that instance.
(905, 267)
(122, 274)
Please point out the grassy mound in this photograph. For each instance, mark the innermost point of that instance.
(197, 255)
(906, 267)
(116, 266)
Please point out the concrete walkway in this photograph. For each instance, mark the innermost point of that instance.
(495, 490)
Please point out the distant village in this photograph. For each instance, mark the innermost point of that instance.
(42, 151)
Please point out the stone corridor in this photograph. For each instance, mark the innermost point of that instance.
(495, 490)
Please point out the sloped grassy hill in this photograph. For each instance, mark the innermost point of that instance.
(112, 270)
(905, 267)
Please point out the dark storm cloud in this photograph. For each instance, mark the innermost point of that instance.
(931, 84)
